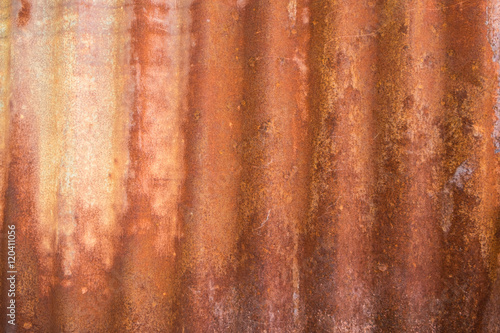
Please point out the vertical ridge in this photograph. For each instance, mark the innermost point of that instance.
(89, 178)
(275, 150)
(160, 42)
(469, 107)
(339, 270)
(423, 93)
(210, 204)
(29, 108)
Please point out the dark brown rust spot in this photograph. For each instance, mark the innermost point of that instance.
(24, 14)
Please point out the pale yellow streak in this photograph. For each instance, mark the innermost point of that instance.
(92, 130)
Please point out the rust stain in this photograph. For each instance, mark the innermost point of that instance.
(24, 14)
(251, 165)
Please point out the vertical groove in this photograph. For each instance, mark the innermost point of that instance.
(389, 231)
(491, 318)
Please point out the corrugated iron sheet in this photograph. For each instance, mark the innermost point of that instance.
(251, 165)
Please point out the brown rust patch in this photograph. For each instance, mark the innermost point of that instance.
(24, 14)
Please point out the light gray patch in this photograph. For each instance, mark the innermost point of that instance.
(462, 174)
(493, 24)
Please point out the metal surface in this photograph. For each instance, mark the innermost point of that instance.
(251, 165)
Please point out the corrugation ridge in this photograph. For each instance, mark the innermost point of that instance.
(89, 187)
(49, 158)
(422, 95)
(339, 270)
(157, 95)
(29, 103)
(467, 127)
(274, 186)
(209, 302)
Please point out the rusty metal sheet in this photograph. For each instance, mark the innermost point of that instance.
(250, 165)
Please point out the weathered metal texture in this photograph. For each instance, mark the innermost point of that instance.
(251, 165)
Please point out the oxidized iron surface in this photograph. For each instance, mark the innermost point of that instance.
(251, 165)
